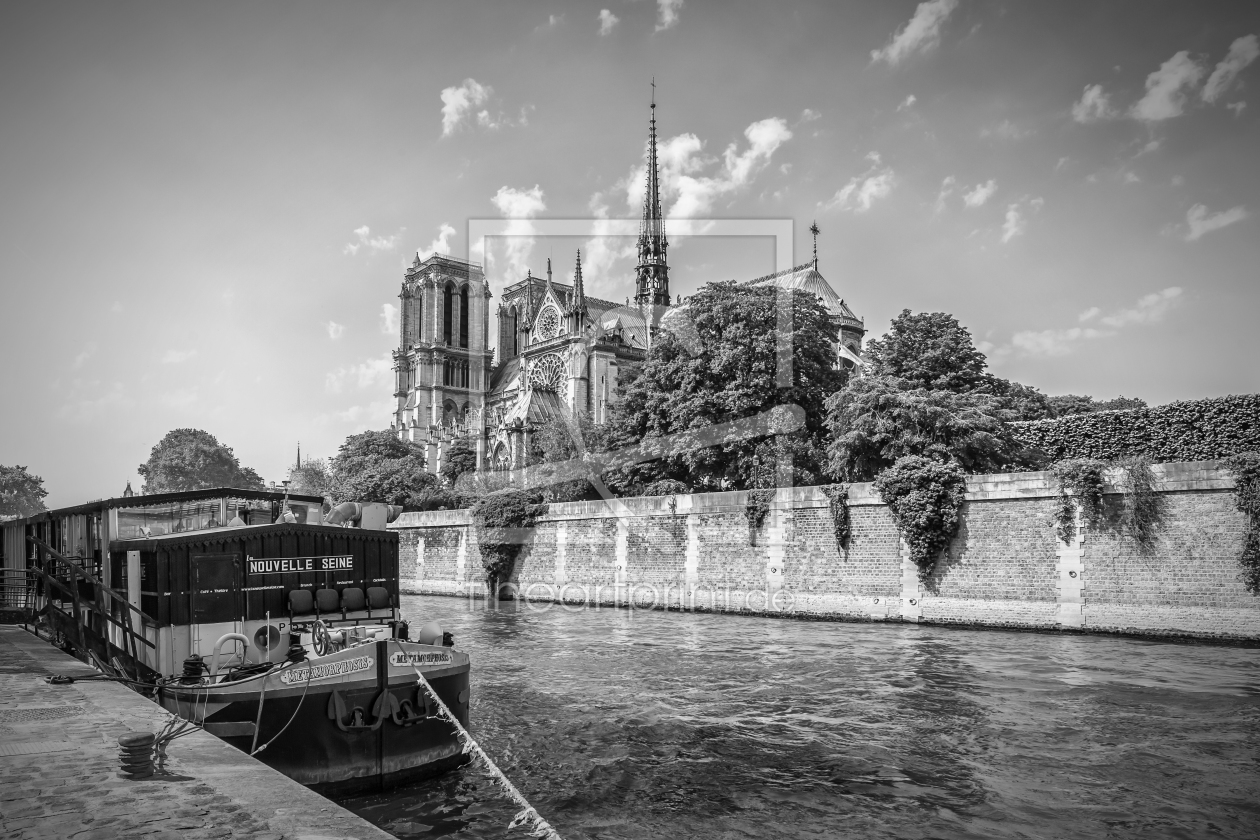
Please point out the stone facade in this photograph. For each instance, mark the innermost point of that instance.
(1005, 568)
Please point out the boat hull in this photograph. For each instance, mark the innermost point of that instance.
(355, 720)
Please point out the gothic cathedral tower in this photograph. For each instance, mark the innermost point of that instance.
(652, 272)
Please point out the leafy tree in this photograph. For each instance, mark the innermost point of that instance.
(1023, 401)
(562, 439)
(925, 498)
(719, 365)
(1069, 404)
(21, 494)
(930, 350)
(313, 477)
(877, 420)
(190, 459)
(378, 467)
(459, 459)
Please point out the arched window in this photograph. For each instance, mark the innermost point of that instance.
(512, 319)
(448, 300)
(463, 317)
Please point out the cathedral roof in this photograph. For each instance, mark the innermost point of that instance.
(807, 278)
(538, 406)
(503, 377)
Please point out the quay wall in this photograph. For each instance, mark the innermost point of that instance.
(1005, 568)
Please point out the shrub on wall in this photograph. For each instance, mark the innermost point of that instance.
(1080, 483)
(1192, 430)
(501, 520)
(756, 509)
(838, 498)
(1246, 469)
(925, 498)
(1142, 506)
(666, 487)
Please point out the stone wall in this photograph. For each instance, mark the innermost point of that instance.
(1005, 568)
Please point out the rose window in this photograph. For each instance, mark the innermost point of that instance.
(547, 373)
(548, 324)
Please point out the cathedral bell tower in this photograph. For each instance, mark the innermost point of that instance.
(652, 271)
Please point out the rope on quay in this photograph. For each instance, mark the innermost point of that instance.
(528, 813)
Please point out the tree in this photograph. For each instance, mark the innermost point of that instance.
(930, 350)
(460, 458)
(313, 477)
(877, 420)
(1069, 404)
(190, 459)
(21, 494)
(715, 361)
(378, 467)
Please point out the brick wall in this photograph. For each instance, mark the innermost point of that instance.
(1005, 567)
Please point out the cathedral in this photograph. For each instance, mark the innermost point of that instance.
(559, 350)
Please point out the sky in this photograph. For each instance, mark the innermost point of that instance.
(205, 209)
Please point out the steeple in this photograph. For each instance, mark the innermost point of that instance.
(814, 230)
(578, 313)
(652, 271)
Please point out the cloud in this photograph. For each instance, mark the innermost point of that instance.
(372, 243)
(1005, 130)
(335, 330)
(1016, 222)
(389, 319)
(1199, 221)
(947, 189)
(1093, 105)
(1131, 178)
(907, 102)
(1241, 53)
(175, 357)
(84, 410)
(1237, 108)
(980, 194)
(603, 249)
(552, 22)
(1150, 309)
(460, 101)
(440, 245)
(809, 115)
(374, 373)
(360, 418)
(180, 397)
(920, 34)
(518, 206)
(667, 13)
(88, 351)
(607, 20)
(1165, 89)
(863, 190)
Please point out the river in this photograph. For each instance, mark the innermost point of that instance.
(648, 724)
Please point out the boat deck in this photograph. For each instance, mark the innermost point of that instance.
(59, 762)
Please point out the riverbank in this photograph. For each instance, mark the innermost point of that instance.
(59, 759)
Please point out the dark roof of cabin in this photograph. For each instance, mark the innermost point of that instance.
(226, 534)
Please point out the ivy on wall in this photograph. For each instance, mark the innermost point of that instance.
(925, 498)
(502, 520)
(756, 509)
(1080, 483)
(1246, 469)
(1142, 508)
(1191, 430)
(838, 499)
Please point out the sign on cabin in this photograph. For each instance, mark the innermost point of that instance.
(286, 565)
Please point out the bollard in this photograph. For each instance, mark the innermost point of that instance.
(135, 751)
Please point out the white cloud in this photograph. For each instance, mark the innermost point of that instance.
(180, 397)
(1092, 106)
(1199, 221)
(389, 319)
(518, 206)
(335, 330)
(920, 34)
(980, 194)
(372, 243)
(947, 189)
(175, 357)
(603, 249)
(460, 101)
(1016, 222)
(83, 410)
(1241, 53)
(552, 22)
(667, 13)
(809, 115)
(88, 351)
(1131, 178)
(440, 245)
(374, 373)
(1150, 309)
(907, 102)
(1005, 130)
(863, 190)
(607, 20)
(1165, 89)
(1237, 108)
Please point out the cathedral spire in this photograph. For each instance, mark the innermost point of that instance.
(652, 271)
(814, 230)
(579, 288)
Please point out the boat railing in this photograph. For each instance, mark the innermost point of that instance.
(89, 614)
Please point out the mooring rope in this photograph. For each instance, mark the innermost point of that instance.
(528, 813)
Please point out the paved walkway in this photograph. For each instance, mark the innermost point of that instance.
(59, 767)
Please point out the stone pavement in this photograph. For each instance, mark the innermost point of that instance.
(59, 767)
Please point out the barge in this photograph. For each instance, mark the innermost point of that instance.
(279, 632)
